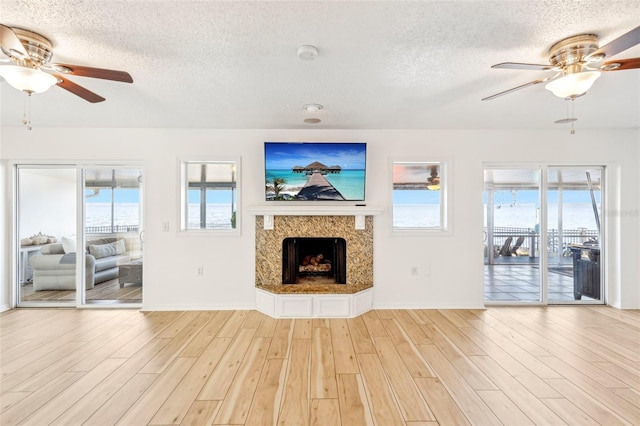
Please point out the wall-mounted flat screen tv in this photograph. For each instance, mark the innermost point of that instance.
(315, 171)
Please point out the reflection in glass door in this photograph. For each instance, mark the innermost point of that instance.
(46, 225)
(511, 236)
(113, 235)
(574, 232)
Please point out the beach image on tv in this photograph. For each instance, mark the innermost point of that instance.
(315, 171)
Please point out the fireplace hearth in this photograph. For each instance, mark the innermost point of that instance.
(307, 260)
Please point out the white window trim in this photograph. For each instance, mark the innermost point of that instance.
(183, 199)
(445, 229)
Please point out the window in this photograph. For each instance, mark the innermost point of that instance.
(112, 200)
(209, 195)
(419, 196)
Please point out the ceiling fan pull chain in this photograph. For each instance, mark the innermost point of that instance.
(26, 111)
(573, 130)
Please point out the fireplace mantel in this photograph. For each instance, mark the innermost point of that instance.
(359, 212)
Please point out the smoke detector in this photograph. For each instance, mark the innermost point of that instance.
(307, 53)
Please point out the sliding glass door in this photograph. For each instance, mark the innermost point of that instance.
(511, 235)
(574, 233)
(542, 235)
(46, 231)
(78, 228)
(113, 237)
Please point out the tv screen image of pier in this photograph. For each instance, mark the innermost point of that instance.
(315, 171)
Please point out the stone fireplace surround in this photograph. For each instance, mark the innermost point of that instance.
(314, 300)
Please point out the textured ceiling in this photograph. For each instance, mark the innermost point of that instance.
(382, 64)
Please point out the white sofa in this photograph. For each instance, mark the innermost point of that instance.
(53, 269)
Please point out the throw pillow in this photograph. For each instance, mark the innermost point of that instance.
(102, 250)
(69, 244)
(120, 247)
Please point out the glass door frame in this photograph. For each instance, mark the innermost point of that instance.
(81, 188)
(543, 238)
(80, 293)
(601, 223)
(16, 293)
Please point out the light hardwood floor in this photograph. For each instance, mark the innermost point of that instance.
(512, 366)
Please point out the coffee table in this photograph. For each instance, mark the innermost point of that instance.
(131, 273)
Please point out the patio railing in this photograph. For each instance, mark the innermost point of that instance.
(111, 229)
(556, 243)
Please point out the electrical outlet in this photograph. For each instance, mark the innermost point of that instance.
(200, 271)
(165, 227)
(414, 270)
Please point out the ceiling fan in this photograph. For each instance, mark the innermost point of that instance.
(32, 72)
(576, 63)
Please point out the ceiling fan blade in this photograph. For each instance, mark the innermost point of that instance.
(520, 66)
(78, 90)
(102, 73)
(618, 45)
(621, 64)
(531, 83)
(11, 43)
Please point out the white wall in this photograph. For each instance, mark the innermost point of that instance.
(47, 202)
(455, 260)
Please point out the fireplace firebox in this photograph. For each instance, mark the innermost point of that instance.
(314, 261)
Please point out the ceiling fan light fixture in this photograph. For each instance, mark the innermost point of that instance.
(27, 79)
(573, 85)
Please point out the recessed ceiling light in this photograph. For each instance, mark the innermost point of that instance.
(307, 53)
(312, 107)
(311, 120)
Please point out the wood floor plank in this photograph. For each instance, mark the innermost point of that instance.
(175, 408)
(360, 337)
(122, 400)
(69, 396)
(323, 370)
(382, 403)
(568, 412)
(412, 328)
(201, 413)
(325, 412)
(526, 377)
(441, 404)
(145, 407)
(476, 378)
(233, 323)
(179, 340)
(525, 400)
(622, 407)
(344, 354)
(221, 379)
(235, 406)
(374, 326)
(302, 328)
(412, 405)
(473, 407)
(504, 408)
(267, 327)
(17, 412)
(268, 396)
(281, 340)
(407, 350)
(353, 400)
(583, 402)
(295, 399)
(208, 332)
